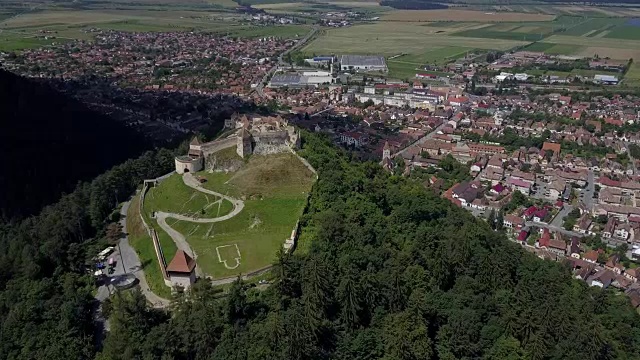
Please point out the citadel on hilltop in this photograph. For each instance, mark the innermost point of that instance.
(254, 135)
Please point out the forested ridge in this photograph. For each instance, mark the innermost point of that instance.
(49, 142)
(393, 272)
(45, 291)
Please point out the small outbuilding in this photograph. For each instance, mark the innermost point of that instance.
(182, 270)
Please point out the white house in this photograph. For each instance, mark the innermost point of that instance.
(353, 138)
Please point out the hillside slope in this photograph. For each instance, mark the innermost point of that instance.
(49, 142)
(392, 272)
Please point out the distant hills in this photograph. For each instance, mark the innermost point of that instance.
(49, 142)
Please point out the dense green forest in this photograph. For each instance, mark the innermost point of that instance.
(393, 272)
(49, 142)
(46, 297)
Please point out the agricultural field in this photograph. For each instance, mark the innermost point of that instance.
(555, 49)
(274, 189)
(74, 23)
(572, 10)
(504, 35)
(625, 45)
(581, 72)
(632, 77)
(12, 41)
(396, 38)
(588, 27)
(407, 66)
(463, 15)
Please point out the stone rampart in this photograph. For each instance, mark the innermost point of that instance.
(217, 145)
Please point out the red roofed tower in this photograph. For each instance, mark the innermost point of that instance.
(182, 270)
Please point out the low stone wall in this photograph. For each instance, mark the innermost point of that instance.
(305, 162)
(217, 145)
(247, 276)
(151, 231)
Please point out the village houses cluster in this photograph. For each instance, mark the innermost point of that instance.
(163, 60)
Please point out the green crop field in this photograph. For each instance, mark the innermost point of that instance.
(274, 189)
(392, 38)
(632, 77)
(10, 41)
(173, 196)
(434, 55)
(504, 35)
(406, 66)
(590, 25)
(539, 46)
(554, 49)
(624, 32)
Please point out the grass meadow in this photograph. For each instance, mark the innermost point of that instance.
(274, 189)
(173, 196)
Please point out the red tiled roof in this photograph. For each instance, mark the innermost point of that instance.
(591, 255)
(603, 180)
(523, 235)
(551, 146)
(181, 263)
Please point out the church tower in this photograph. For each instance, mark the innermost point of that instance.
(386, 151)
(243, 145)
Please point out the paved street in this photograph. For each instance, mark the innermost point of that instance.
(127, 262)
(558, 219)
(586, 194)
(541, 189)
(328, 108)
(554, 228)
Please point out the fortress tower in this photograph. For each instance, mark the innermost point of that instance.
(193, 161)
(244, 147)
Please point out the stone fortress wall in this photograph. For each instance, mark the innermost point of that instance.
(254, 135)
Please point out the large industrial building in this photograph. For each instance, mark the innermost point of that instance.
(362, 62)
(301, 79)
(606, 79)
(290, 80)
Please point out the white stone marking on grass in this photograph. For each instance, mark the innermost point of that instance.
(193, 195)
(193, 230)
(209, 231)
(237, 259)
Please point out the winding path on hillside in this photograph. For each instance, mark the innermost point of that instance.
(178, 238)
(128, 262)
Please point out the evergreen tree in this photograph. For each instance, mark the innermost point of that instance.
(500, 220)
(492, 219)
